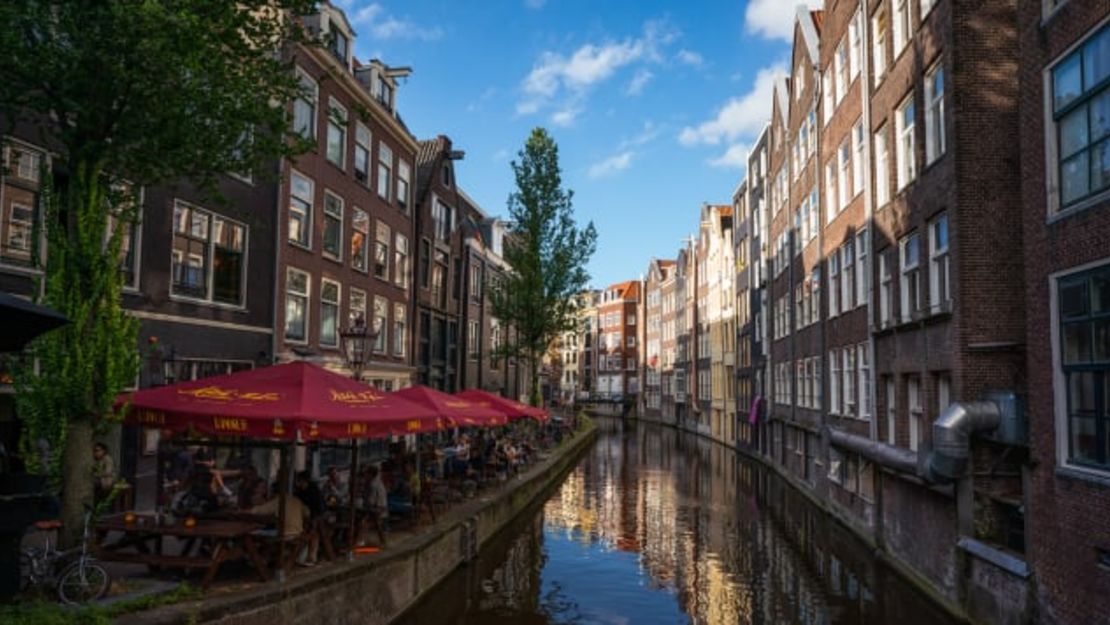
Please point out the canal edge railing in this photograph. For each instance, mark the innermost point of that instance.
(379, 588)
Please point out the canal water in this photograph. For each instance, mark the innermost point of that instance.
(657, 526)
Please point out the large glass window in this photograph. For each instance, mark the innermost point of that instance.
(1081, 111)
(879, 46)
(385, 170)
(356, 306)
(882, 168)
(304, 107)
(297, 289)
(301, 196)
(360, 239)
(337, 134)
(934, 114)
(939, 291)
(1084, 312)
(910, 285)
(329, 313)
(381, 323)
(401, 260)
(901, 26)
(400, 330)
(333, 226)
(362, 153)
(404, 178)
(904, 153)
(381, 251)
(207, 256)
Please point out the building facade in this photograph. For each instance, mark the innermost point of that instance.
(618, 348)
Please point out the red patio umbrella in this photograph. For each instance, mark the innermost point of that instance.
(278, 402)
(514, 409)
(458, 411)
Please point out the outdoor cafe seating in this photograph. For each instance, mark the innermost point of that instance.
(241, 460)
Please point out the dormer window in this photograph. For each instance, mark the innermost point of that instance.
(340, 45)
(384, 92)
(446, 175)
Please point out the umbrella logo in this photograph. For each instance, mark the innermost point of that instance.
(216, 393)
(352, 397)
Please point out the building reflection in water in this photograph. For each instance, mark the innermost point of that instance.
(654, 526)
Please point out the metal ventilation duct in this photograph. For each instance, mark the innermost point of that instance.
(952, 436)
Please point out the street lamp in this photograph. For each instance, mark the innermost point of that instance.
(357, 340)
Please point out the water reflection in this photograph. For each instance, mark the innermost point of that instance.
(655, 526)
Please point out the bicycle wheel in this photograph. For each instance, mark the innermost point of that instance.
(83, 581)
(26, 569)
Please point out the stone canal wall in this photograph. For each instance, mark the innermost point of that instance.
(913, 528)
(378, 588)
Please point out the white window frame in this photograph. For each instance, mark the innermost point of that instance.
(307, 80)
(855, 45)
(843, 178)
(209, 262)
(337, 121)
(882, 167)
(307, 297)
(935, 143)
(400, 330)
(906, 146)
(886, 290)
(381, 227)
(364, 141)
(833, 262)
(385, 171)
(879, 41)
(862, 274)
(307, 213)
(858, 144)
(909, 277)
(381, 325)
(834, 382)
(359, 215)
(331, 342)
(404, 175)
(900, 25)
(401, 260)
(914, 410)
(939, 261)
(863, 387)
(338, 217)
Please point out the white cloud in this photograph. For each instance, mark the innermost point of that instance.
(647, 135)
(566, 116)
(381, 25)
(558, 76)
(611, 165)
(535, 4)
(773, 19)
(735, 157)
(639, 81)
(741, 116)
(689, 57)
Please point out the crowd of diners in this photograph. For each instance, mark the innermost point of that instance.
(396, 484)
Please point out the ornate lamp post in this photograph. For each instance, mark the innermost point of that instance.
(357, 339)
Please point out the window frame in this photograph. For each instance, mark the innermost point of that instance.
(307, 308)
(335, 217)
(939, 256)
(908, 273)
(385, 171)
(337, 113)
(309, 212)
(338, 304)
(362, 132)
(209, 299)
(935, 136)
(358, 215)
(306, 80)
(386, 268)
(905, 156)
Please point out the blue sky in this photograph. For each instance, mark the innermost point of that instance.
(653, 103)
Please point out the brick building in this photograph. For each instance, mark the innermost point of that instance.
(654, 361)
(346, 228)
(618, 349)
(1065, 56)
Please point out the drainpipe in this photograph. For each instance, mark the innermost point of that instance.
(897, 458)
(952, 437)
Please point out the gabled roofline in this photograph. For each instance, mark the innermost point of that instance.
(809, 33)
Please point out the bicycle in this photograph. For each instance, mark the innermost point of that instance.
(74, 574)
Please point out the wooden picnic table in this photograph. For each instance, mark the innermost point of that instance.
(229, 540)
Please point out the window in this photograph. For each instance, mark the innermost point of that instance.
(384, 92)
(891, 412)
(862, 274)
(385, 169)
(834, 382)
(878, 45)
(834, 284)
(129, 237)
(855, 54)
(495, 338)
(908, 249)
(844, 157)
(297, 290)
(848, 276)
(401, 260)
(944, 391)
(1083, 302)
(939, 291)
(904, 152)
(337, 134)
(886, 291)
(19, 230)
(849, 379)
(404, 177)
(333, 226)
(882, 168)
(863, 358)
(425, 263)
(857, 158)
(329, 313)
(381, 323)
(934, 114)
(913, 402)
(441, 220)
(360, 239)
(381, 251)
(830, 189)
(400, 330)
(362, 153)
(1081, 114)
(301, 196)
(24, 163)
(901, 26)
(207, 257)
(828, 90)
(842, 71)
(304, 107)
(356, 306)
(924, 6)
(476, 282)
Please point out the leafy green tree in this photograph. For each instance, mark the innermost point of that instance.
(127, 94)
(547, 252)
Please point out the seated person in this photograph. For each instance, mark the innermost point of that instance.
(252, 489)
(335, 492)
(199, 493)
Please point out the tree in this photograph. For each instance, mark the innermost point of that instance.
(128, 94)
(547, 254)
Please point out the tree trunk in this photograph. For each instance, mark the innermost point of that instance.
(534, 396)
(77, 467)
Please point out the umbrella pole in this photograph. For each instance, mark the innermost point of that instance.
(351, 525)
(283, 486)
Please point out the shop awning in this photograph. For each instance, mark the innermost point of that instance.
(514, 409)
(23, 321)
(457, 411)
(278, 402)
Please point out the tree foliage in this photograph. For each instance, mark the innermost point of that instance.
(547, 252)
(147, 92)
